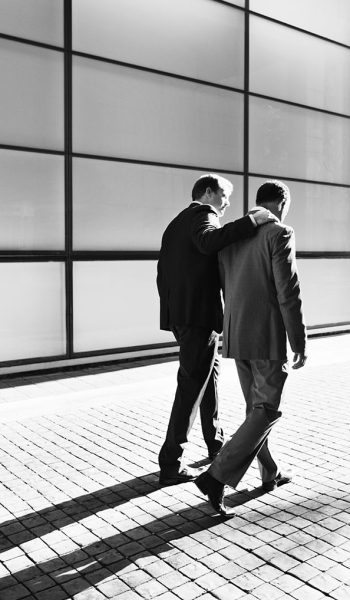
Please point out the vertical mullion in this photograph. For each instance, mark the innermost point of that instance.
(68, 172)
(246, 111)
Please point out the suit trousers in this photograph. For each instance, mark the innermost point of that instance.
(262, 383)
(196, 388)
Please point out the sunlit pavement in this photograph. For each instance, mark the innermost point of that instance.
(82, 515)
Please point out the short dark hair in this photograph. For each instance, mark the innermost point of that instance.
(211, 181)
(272, 191)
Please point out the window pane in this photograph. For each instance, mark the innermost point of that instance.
(317, 72)
(31, 96)
(319, 214)
(305, 144)
(135, 203)
(180, 30)
(129, 113)
(31, 201)
(116, 305)
(330, 18)
(325, 288)
(32, 310)
(40, 20)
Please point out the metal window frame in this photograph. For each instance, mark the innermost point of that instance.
(68, 255)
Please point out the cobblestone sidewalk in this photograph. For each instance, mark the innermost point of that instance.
(82, 515)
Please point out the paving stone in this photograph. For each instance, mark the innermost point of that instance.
(15, 592)
(307, 593)
(247, 582)
(325, 583)
(229, 592)
(135, 578)
(173, 579)
(150, 589)
(188, 591)
(51, 594)
(268, 592)
(88, 519)
(341, 593)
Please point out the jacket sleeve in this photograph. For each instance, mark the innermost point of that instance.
(209, 237)
(288, 288)
(221, 273)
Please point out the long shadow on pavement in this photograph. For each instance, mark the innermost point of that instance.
(88, 566)
(41, 522)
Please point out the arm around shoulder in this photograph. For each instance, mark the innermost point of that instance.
(210, 238)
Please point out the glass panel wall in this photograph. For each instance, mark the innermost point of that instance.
(329, 18)
(128, 113)
(32, 310)
(300, 143)
(116, 305)
(325, 286)
(40, 20)
(135, 203)
(185, 33)
(31, 201)
(319, 214)
(305, 69)
(31, 97)
(149, 109)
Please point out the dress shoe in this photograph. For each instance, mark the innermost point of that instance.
(186, 474)
(280, 479)
(214, 489)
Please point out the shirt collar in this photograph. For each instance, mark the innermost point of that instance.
(206, 204)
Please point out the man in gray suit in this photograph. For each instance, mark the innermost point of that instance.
(262, 304)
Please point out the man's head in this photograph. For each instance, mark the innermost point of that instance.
(275, 196)
(213, 189)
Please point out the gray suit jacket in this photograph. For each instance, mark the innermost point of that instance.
(262, 296)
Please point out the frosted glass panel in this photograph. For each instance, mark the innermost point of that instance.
(116, 305)
(31, 201)
(293, 142)
(32, 310)
(40, 20)
(132, 114)
(305, 69)
(135, 203)
(330, 18)
(165, 35)
(325, 288)
(31, 96)
(319, 214)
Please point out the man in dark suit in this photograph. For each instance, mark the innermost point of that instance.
(190, 306)
(262, 304)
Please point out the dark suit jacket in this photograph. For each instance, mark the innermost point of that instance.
(188, 276)
(262, 296)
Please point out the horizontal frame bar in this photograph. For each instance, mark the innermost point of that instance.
(152, 163)
(299, 105)
(30, 42)
(127, 65)
(300, 29)
(120, 255)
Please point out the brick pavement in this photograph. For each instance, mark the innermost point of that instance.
(82, 515)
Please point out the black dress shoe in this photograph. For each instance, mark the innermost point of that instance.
(186, 474)
(214, 489)
(280, 479)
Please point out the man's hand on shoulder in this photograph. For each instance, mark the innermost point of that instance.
(299, 360)
(261, 215)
